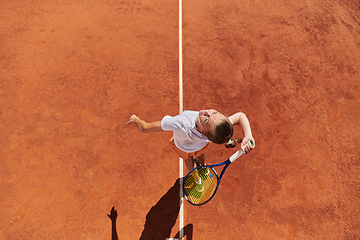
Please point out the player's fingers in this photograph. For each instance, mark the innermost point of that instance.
(132, 119)
(243, 148)
(247, 149)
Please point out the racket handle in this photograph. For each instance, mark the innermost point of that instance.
(238, 153)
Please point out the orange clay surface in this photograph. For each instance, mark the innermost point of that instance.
(73, 72)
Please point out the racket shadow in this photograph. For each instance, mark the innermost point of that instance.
(187, 231)
(163, 215)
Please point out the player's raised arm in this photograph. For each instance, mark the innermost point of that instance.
(144, 126)
(242, 121)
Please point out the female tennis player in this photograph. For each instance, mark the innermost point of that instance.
(193, 130)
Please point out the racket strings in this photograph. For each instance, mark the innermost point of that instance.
(200, 193)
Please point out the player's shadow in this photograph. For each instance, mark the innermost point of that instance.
(162, 216)
(113, 216)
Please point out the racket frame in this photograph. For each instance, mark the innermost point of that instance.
(233, 157)
(226, 163)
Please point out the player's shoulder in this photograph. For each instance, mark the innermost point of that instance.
(190, 112)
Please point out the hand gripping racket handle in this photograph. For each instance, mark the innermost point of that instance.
(238, 153)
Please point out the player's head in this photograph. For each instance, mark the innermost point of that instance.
(215, 126)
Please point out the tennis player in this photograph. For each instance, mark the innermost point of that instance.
(193, 130)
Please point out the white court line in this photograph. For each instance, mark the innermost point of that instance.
(181, 106)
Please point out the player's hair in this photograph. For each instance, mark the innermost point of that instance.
(232, 142)
(221, 133)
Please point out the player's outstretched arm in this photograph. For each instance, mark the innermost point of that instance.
(144, 126)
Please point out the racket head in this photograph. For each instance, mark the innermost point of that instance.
(199, 194)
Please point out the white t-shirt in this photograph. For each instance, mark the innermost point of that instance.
(186, 137)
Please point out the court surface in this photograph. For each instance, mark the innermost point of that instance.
(73, 72)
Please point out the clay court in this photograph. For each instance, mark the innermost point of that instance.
(73, 72)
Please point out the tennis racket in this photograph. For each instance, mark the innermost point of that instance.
(202, 182)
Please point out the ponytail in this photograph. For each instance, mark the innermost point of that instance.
(232, 143)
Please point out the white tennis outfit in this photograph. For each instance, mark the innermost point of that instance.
(186, 137)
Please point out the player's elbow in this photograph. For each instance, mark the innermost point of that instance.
(241, 115)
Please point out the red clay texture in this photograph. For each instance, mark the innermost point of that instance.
(73, 72)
